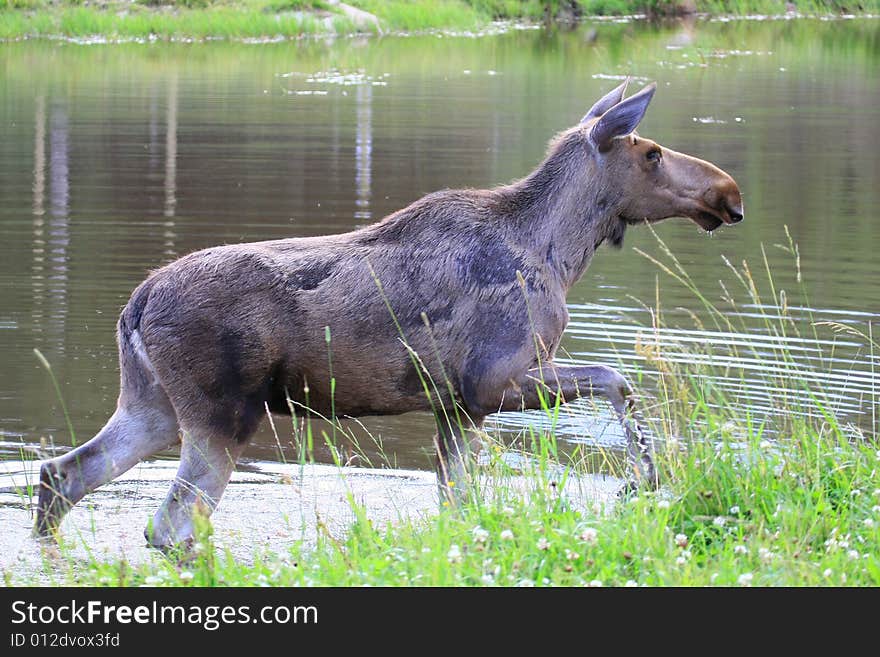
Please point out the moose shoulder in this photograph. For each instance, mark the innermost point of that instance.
(454, 304)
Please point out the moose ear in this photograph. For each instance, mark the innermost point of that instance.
(606, 102)
(623, 118)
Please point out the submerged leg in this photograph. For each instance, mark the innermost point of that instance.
(573, 382)
(456, 445)
(130, 435)
(206, 464)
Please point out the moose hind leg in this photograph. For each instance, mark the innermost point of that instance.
(206, 464)
(132, 434)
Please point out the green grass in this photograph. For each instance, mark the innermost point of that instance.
(787, 498)
(803, 511)
(419, 15)
(189, 19)
(239, 19)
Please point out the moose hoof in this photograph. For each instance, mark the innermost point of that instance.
(182, 553)
(629, 490)
(649, 481)
(173, 544)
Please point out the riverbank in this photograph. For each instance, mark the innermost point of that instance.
(291, 19)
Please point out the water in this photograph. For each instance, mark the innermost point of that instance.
(115, 159)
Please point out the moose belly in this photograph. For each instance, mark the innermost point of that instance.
(356, 388)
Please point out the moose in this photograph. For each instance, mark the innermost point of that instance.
(453, 305)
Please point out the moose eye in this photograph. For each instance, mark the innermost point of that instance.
(653, 155)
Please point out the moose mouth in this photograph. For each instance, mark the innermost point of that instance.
(709, 220)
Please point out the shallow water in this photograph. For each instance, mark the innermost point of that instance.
(116, 159)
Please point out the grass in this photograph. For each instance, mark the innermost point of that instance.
(785, 498)
(263, 19)
(185, 20)
(802, 513)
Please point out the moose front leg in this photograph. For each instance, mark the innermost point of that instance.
(456, 444)
(573, 382)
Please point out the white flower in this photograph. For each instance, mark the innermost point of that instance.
(663, 504)
(713, 578)
(734, 510)
(186, 576)
(595, 583)
(745, 579)
(719, 521)
(506, 535)
(571, 556)
(740, 549)
(454, 554)
(765, 444)
(686, 554)
(152, 580)
(855, 492)
(853, 554)
(543, 543)
(480, 535)
(508, 511)
(868, 522)
(765, 555)
(631, 583)
(525, 583)
(681, 540)
(487, 579)
(828, 573)
(875, 509)
(680, 561)
(589, 535)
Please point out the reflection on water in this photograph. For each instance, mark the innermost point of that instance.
(117, 159)
(38, 286)
(170, 166)
(56, 238)
(363, 153)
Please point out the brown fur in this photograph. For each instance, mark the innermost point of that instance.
(222, 332)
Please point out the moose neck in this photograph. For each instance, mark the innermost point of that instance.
(562, 213)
